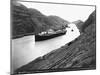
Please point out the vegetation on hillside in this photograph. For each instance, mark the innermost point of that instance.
(29, 21)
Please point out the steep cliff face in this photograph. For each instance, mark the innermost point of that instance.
(27, 21)
(78, 54)
(91, 20)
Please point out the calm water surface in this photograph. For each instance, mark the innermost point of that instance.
(25, 49)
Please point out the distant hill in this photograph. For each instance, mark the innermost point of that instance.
(79, 24)
(58, 23)
(79, 54)
(29, 21)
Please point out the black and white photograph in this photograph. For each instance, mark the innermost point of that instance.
(52, 37)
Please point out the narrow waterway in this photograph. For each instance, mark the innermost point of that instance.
(25, 49)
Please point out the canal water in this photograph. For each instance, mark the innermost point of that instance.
(25, 49)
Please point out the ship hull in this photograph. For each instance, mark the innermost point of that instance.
(46, 37)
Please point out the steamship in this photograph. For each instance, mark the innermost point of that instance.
(49, 34)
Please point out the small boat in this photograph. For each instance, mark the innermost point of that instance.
(49, 35)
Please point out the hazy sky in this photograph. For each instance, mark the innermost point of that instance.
(68, 12)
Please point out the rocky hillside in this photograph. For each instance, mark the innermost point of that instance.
(89, 21)
(79, 54)
(27, 21)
